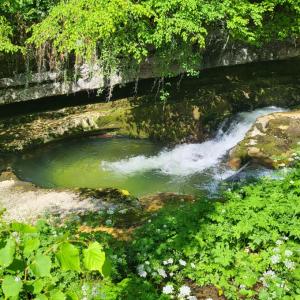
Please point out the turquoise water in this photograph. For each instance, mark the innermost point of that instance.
(81, 163)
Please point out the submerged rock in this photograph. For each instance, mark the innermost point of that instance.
(273, 141)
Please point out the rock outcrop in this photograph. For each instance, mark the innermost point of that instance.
(32, 85)
(273, 141)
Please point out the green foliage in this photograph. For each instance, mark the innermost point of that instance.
(247, 246)
(173, 31)
(43, 263)
(123, 33)
(6, 32)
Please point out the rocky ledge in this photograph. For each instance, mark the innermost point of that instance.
(273, 141)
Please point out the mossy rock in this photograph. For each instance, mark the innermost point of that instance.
(273, 141)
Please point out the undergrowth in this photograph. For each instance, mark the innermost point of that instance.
(246, 245)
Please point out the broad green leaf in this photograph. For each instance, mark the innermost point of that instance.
(11, 286)
(41, 297)
(57, 295)
(23, 228)
(31, 245)
(94, 257)
(16, 266)
(7, 253)
(106, 269)
(41, 266)
(38, 286)
(68, 256)
(72, 296)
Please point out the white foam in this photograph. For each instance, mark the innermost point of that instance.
(189, 159)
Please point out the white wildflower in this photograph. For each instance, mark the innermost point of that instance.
(275, 259)
(192, 298)
(292, 181)
(111, 211)
(269, 273)
(147, 262)
(289, 264)
(285, 238)
(162, 273)
(288, 253)
(184, 291)
(168, 261)
(17, 279)
(276, 250)
(84, 288)
(279, 242)
(171, 274)
(168, 289)
(247, 250)
(193, 265)
(242, 286)
(182, 262)
(108, 222)
(141, 271)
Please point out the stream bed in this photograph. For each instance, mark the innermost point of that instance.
(139, 166)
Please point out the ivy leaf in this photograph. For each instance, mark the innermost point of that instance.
(7, 253)
(68, 256)
(41, 266)
(30, 245)
(11, 286)
(94, 257)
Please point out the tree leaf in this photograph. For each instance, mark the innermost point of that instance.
(94, 257)
(11, 286)
(30, 245)
(68, 256)
(7, 253)
(41, 266)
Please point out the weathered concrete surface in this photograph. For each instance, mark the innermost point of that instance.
(273, 141)
(24, 87)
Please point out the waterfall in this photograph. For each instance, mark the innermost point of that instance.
(189, 159)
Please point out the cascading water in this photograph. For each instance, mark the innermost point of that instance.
(188, 159)
(138, 166)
